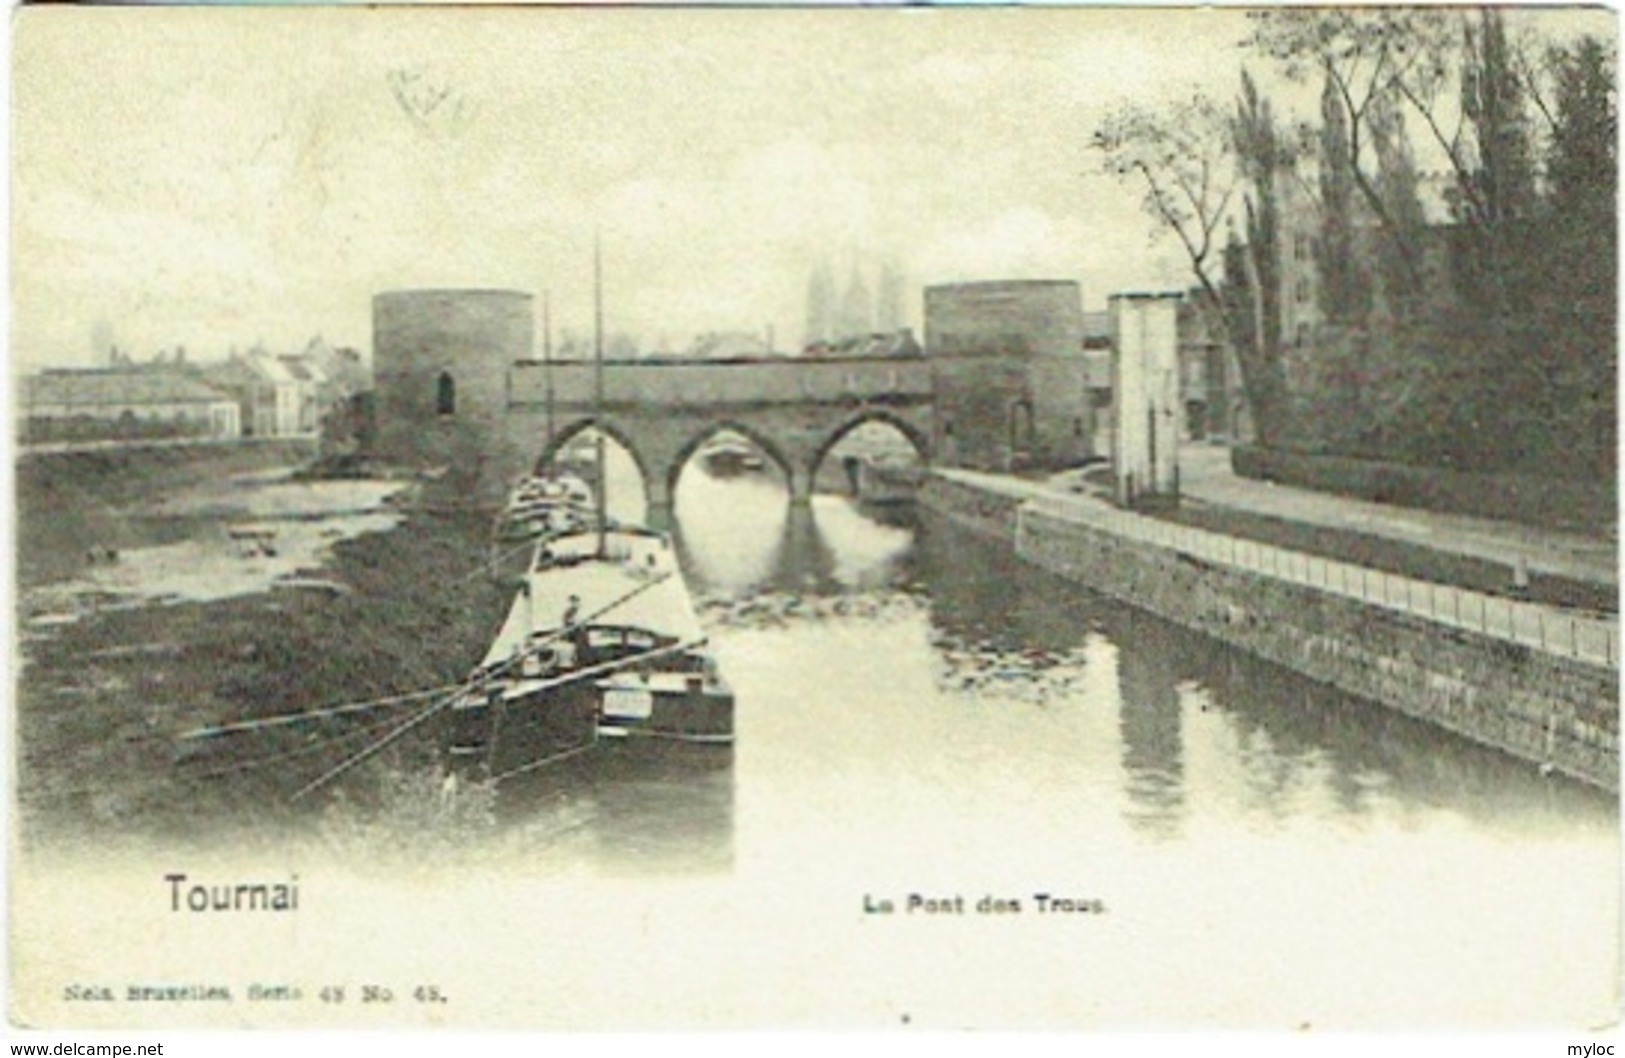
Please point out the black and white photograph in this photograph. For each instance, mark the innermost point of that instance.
(899, 520)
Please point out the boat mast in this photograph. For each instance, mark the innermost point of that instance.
(547, 371)
(602, 489)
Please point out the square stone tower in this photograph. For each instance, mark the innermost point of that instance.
(1145, 398)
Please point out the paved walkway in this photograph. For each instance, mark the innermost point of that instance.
(1554, 629)
(1205, 475)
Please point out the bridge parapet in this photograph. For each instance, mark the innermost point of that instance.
(743, 383)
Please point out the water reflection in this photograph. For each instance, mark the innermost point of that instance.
(1201, 722)
(997, 673)
(734, 535)
(644, 809)
(741, 535)
(1150, 721)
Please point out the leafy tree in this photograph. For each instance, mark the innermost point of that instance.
(1184, 159)
(1399, 265)
(1495, 169)
(1579, 302)
(1582, 170)
(1498, 183)
(1192, 162)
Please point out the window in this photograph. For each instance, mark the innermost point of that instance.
(1302, 291)
(1300, 247)
(445, 399)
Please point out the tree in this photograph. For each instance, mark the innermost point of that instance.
(1579, 291)
(1262, 156)
(1366, 59)
(1499, 178)
(1185, 160)
(1495, 168)
(1582, 170)
(1181, 158)
(1400, 257)
(1344, 293)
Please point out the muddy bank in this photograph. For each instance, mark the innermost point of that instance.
(72, 503)
(100, 699)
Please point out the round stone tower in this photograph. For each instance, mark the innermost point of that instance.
(440, 363)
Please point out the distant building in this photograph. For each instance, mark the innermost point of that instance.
(820, 306)
(1146, 395)
(1300, 298)
(1210, 379)
(856, 313)
(835, 319)
(1211, 400)
(893, 343)
(309, 381)
(289, 395)
(728, 345)
(125, 403)
(269, 395)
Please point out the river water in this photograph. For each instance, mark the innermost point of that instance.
(936, 742)
(920, 713)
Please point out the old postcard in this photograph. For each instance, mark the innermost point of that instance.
(563, 519)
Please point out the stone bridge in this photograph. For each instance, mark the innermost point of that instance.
(1005, 385)
(458, 385)
(662, 412)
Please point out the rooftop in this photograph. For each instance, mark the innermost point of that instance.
(114, 386)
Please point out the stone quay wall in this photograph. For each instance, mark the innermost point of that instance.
(1555, 711)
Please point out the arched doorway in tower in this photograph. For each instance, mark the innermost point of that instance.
(445, 395)
(1020, 452)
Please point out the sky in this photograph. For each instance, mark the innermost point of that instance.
(219, 177)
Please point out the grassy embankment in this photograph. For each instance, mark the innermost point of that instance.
(100, 700)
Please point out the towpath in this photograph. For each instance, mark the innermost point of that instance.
(1205, 476)
(1590, 636)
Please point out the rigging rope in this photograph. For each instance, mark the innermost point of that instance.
(486, 676)
(260, 762)
(545, 761)
(259, 723)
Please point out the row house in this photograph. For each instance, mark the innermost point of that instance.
(269, 397)
(125, 403)
(290, 395)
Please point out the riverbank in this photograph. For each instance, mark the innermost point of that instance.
(1555, 711)
(70, 503)
(103, 692)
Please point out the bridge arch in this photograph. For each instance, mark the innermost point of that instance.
(918, 438)
(756, 437)
(620, 434)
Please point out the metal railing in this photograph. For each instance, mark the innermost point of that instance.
(1583, 636)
